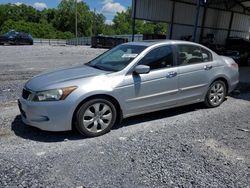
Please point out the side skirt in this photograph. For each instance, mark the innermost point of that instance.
(163, 108)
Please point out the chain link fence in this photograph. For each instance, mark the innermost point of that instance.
(87, 40)
(53, 42)
(81, 40)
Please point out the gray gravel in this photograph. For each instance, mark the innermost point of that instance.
(190, 146)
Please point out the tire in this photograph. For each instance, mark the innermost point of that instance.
(216, 94)
(96, 117)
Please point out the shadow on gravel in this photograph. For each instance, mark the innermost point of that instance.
(244, 92)
(160, 114)
(27, 132)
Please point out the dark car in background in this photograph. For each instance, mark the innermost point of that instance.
(16, 38)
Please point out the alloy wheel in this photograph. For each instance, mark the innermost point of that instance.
(217, 94)
(97, 117)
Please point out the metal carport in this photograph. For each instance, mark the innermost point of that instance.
(223, 18)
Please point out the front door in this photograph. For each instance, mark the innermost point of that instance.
(154, 90)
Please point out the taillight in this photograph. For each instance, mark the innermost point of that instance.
(234, 65)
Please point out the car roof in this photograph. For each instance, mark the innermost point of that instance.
(155, 42)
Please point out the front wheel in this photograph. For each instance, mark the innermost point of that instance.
(96, 117)
(216, 94)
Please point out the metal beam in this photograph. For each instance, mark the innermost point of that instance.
(133, 23)
(172, 21)
(214, 8)
(205, 27)
(76, 22)
(203, 22)
(196, 19)
(230, 24)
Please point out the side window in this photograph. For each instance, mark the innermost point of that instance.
(207, 56)
(158, 58)
(190, 54)
(19, 35)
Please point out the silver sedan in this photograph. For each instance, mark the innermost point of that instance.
(130, 79)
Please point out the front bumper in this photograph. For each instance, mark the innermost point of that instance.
(48, 116)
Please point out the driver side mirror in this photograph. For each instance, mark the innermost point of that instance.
(142, 69)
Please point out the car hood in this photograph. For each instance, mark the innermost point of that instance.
(46, 79)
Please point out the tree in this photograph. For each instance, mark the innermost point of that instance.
(48, 15)
(156, 28)
(60, 22)
(17, 13)
(108, 30)
(123, 25)
(122, 22)
(65, 17)
(37, 30)
(98, 24)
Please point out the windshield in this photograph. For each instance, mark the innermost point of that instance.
(117, 58)
(10, 33)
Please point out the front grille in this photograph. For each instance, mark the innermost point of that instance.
(25, 94)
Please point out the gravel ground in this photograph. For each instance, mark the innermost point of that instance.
(190, 146)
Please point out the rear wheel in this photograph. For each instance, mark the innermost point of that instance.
(216, 94)
(95, 117)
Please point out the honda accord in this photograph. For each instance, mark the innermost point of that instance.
(130, 79)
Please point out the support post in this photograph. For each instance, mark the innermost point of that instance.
(172, 21)
(196, 19)
(95, 24)
(76, 23)
(203, 23)
(230, 24)
(133, 23)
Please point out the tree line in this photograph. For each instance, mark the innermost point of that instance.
(60, 22)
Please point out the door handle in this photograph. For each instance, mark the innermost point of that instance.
(171, 74)
(208, 67)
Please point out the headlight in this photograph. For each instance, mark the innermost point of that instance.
(52, 95)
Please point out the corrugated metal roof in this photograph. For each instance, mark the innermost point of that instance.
(231, 3)
(227, 4)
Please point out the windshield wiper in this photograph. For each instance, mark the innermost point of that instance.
(100, 67)
(97, 67)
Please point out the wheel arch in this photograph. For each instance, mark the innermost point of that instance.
(105, 96)
(222, 78)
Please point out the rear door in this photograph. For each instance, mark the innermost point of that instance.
(195, 72)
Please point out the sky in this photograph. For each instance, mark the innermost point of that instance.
(107, 7)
